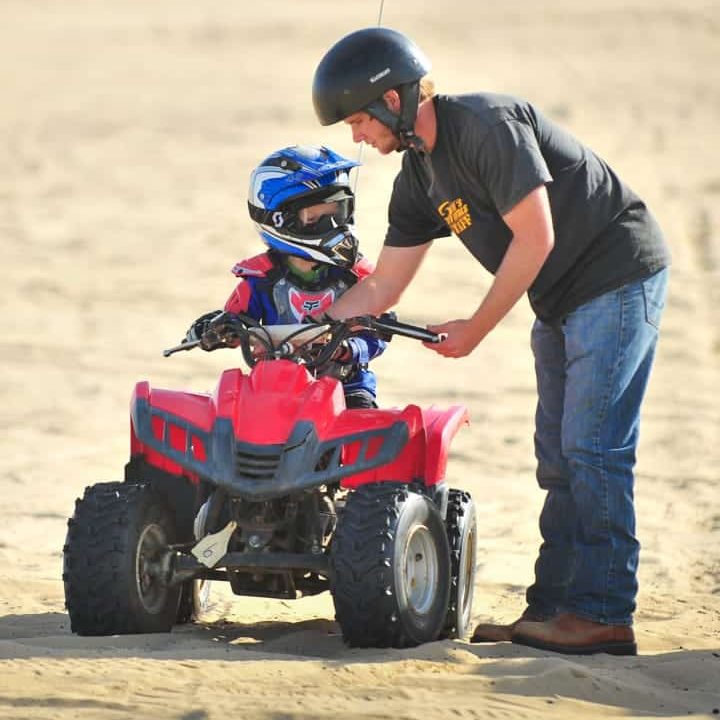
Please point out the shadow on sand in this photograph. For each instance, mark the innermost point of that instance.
(682, 682)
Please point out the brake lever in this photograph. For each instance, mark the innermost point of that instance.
(182, 346)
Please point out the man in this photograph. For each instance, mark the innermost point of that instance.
(548, 218)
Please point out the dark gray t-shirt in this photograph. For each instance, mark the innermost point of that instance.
(490, 152)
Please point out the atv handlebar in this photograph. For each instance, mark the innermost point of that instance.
(387, 323)
(310, 343)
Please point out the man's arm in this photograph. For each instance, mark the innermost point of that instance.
(395, 269)
(533, 238)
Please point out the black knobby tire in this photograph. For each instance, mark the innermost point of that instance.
(390, 562)
(116, 562)
(461, 526)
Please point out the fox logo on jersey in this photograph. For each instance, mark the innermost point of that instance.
(305, 303)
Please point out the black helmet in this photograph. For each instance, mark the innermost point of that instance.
(356, 72)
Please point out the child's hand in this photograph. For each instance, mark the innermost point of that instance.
(200, 326)
(321, 319)
(221, 331)
(343, 354)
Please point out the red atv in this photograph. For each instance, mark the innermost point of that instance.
(271, 484)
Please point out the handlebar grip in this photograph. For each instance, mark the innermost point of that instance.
(436, 337)
(392, 326)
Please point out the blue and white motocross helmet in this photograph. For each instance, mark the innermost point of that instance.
(297, 177)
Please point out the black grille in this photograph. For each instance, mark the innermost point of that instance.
(255, 465)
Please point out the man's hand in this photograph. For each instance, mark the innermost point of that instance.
(461, 338)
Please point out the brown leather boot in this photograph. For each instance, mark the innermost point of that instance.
(489, 632)
(573, 635)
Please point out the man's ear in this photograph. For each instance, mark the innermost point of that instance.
(392, 100)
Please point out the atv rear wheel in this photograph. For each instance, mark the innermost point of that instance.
(461, 528)
(117, 561)
(390, 563)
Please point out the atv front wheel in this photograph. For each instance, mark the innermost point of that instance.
(390, 563)
(117, 561)
(461, 531)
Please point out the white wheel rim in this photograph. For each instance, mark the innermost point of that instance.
(420, 570)
(150, 567)
(466, 577)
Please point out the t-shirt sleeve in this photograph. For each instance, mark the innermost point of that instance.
(511, 164)
(411, 219)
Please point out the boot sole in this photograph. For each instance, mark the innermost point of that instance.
(610, 648)
(480, 638)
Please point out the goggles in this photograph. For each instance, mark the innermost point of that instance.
(319, 219)
(309, 217)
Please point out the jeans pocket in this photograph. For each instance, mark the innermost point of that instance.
(654, 290)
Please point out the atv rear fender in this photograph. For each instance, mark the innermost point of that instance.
(425, 455)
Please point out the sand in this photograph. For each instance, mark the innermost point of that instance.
(128, 134)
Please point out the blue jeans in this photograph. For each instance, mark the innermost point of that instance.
(592, 370)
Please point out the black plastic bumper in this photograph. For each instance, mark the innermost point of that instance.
(301, 463)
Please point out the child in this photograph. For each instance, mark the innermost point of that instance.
(302, 205)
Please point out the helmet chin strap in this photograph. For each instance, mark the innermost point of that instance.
(402, 125)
